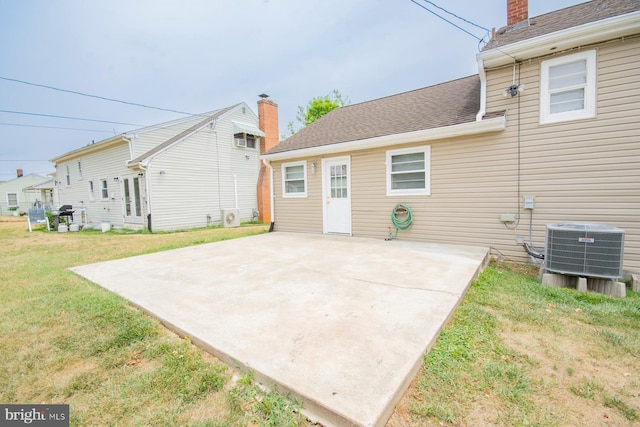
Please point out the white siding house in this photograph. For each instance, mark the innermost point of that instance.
(174, 175)
(17, 195)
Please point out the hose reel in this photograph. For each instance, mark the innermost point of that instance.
(401, 218)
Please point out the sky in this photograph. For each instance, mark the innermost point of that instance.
(201, 55)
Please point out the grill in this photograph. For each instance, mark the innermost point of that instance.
(64, 210)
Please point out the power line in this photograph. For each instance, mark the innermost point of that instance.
(55, 127)
(67, 117)
(22, 160)
(456, 16)
(104, 98)
(445, 19)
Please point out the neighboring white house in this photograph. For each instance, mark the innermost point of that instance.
(19, 194)
(174, 175)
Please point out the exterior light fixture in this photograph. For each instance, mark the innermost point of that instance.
(513, 90)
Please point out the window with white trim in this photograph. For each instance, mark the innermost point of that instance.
(79, 170)
(12, 199)
(104, 189)
(408, 171)
(294, 179)
(68, 175)
(91, 191)
(568, 88)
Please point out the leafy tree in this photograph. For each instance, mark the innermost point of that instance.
(317, 107)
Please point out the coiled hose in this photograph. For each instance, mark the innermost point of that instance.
(401, 218)
(403, 211)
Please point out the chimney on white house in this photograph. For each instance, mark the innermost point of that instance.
(268, 123)
(19, 173)
(517, 11)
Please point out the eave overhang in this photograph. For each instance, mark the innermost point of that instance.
(495, 124)
(558, 41)
(92, 148)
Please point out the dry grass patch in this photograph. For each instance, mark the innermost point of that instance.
(517, 353)
(65, 340)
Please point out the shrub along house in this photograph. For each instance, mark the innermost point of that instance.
(551, 115)
(192, 172)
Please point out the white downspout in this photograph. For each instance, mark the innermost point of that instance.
(483, 90)
(235, 189)
(267, 163)
(147, 190)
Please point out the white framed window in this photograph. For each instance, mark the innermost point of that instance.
(104, 189)
(92, 195)
(68, 175)
(12, 199)
(79, 170)
(408, 171)
(294, 179)
(568, 88)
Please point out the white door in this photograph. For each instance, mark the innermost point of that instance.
(336, 190)
(132, 201)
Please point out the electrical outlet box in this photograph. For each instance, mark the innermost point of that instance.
(529, 202)
(508, 217)
(519, 240)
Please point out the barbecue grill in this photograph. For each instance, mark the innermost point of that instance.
(62, 210)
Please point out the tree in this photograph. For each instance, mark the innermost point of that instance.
(317, 107)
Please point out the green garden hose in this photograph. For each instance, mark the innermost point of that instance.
(401, 217)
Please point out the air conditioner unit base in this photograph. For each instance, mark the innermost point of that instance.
(230, 218)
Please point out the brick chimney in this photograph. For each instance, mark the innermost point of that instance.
(268, 123)
(19, 173)
(517, 11)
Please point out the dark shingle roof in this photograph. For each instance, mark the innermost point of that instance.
(562, 19)
(445, 104)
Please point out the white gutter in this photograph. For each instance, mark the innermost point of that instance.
(471, 128)
(272, 209)
(582, 35)
(483, 90)
(147, 191)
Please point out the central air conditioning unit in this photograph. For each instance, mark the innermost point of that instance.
(585, 249)
(230, 218)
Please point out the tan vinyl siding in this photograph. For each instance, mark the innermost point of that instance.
(299, 214)
(583, 170)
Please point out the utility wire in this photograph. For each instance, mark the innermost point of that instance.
(445, 19)
(55, 127)
(104, 98)
(67, 117)
(22, 160)
(456, 16)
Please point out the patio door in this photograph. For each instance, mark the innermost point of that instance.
(336, 192)
(132, 201)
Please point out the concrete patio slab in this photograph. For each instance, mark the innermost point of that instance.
(340, 322)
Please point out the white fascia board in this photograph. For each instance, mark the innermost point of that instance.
(582, 35)
(91, 148)
(471, 128)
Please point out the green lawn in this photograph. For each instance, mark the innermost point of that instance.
(514, 353)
